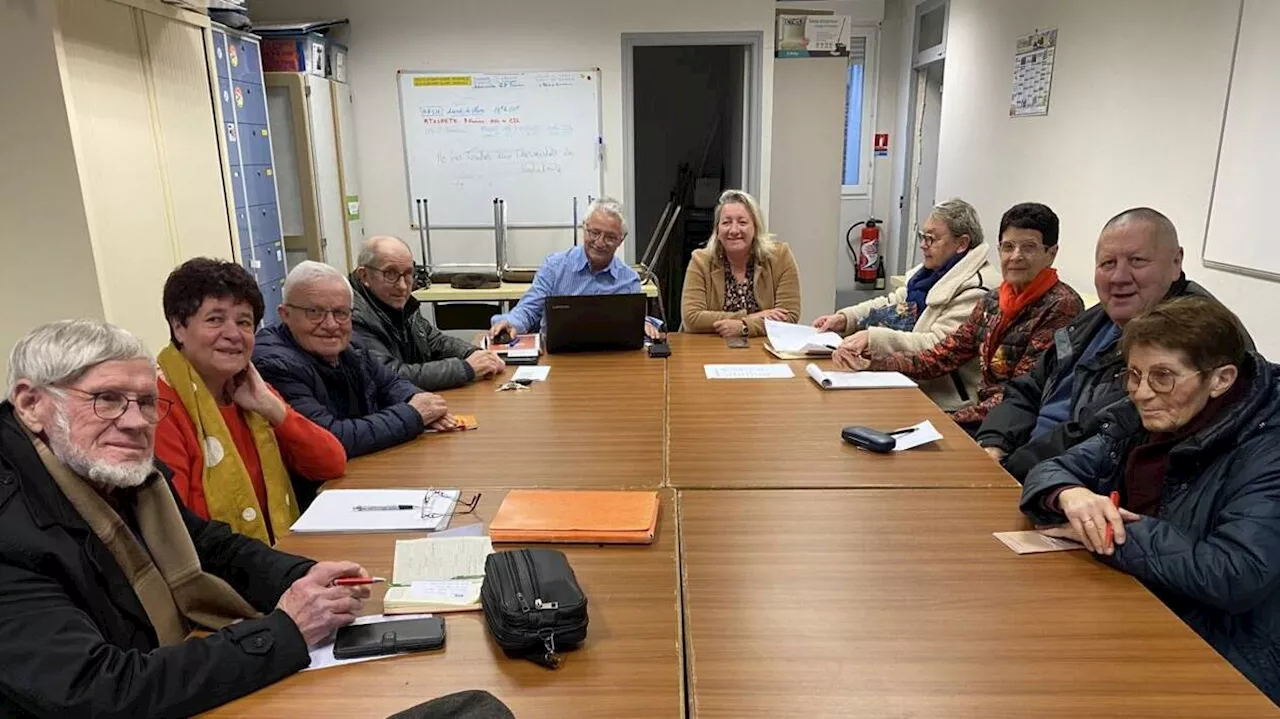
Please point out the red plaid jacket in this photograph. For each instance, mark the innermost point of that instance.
(1030, 334)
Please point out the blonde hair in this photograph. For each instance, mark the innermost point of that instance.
(761, 244)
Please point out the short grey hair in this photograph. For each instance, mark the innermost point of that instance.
(61, 352)
(308, 271)
(960, 218)
(369, 249)
(609, 207)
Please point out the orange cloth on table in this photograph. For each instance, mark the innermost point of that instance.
(307, 449)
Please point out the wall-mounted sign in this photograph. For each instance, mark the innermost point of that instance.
(1033, 73)
(882, 144)
(812, 36)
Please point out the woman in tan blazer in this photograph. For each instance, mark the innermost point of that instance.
(742, 277)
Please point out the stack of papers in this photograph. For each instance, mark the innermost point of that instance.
(792, 341)
(857, 380)
(377, 510)
(437, 574)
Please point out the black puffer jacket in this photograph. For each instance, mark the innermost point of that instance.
(1097, 386)
(1213, 554)
(407, 343)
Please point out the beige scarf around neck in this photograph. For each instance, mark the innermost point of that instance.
(165, 573)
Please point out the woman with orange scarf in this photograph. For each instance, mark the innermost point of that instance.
(1009, 328)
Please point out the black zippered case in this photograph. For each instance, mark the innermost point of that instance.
(533, 604)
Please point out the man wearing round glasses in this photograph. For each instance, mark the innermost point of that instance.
(1181, 486)
(104, 574)
(592, 269)
(310, 360)
(387, 322)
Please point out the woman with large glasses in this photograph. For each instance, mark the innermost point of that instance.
(954, 275)
(230, 439)
(1181, 488)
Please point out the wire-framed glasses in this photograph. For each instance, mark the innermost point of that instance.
(434, 499)
(111, 405)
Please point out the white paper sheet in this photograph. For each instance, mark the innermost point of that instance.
(446, 591)
(536, 373)
(322, 656)
(748, 371)
(1033, 542)
(921, 434)
(788, 337)
(334, 510)
(857, 380)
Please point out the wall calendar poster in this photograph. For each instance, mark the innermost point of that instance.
(1033, 73)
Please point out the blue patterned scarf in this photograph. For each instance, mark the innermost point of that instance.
(921, 282)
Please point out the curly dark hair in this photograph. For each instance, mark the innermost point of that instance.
(196, 280)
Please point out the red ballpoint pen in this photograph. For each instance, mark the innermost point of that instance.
(1111, 532)
(356, 581)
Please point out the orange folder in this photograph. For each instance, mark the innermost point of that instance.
(591, 517)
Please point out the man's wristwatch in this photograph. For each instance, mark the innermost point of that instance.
(746, 332)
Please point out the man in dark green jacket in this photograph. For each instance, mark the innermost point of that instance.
(387, 323)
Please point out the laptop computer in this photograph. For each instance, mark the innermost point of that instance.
(592, 323)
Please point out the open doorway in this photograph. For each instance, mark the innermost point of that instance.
(924, 121)
(922, 173)
(691, 117)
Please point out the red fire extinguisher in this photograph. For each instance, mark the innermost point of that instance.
(867, 254)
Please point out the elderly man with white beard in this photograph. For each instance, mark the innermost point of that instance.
(104, 575)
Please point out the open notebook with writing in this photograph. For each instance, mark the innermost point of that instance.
(440, 574)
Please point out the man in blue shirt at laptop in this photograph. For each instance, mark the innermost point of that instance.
(591, 269)
(1056, 406)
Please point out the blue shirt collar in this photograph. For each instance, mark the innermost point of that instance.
(582, 264)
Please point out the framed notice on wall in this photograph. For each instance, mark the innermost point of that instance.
(812, 36)
(1033, 73)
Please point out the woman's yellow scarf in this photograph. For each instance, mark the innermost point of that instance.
(228, 489)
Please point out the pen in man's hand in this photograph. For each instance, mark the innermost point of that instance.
(356, 581)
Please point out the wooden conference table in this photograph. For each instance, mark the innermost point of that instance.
(792, 575)
(630, 666)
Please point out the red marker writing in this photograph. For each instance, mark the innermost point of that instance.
(356, 581)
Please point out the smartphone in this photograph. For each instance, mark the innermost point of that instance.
(391, 637)
(737, 343)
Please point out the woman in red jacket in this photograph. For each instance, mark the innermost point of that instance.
(230, 439)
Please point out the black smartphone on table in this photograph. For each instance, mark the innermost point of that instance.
(390, 637)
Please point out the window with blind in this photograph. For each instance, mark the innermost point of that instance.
(855, 141)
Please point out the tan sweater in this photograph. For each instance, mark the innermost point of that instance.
(948, 304)
(777, 284)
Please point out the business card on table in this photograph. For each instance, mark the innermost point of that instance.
(1034, 542)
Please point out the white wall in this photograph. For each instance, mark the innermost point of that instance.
(44, 237)
(389, 35)
(1134, 119)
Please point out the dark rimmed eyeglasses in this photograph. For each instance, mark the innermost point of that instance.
(392, 277)
(111, 405)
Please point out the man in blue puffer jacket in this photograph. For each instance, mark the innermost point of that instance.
(310, 360)
(1194, 454)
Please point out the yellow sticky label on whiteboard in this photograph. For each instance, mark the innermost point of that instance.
(464, 80)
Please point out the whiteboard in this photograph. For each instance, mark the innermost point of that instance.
(1244, 184)
(530, 138)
